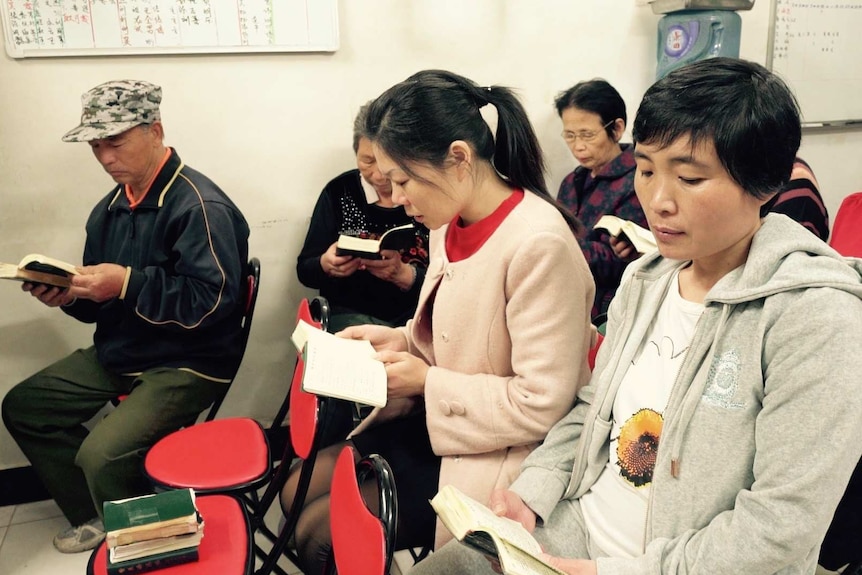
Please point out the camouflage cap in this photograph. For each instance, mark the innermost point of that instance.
(114, 107)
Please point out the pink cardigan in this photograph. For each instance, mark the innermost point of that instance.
(511, 331)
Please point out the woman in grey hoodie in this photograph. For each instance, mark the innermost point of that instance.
(720, 426)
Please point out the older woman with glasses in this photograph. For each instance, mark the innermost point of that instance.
(594, 119)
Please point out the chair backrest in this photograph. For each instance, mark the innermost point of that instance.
(591, 355)
(314, 312)
(847, 228)
(252, 282)
(363, 541)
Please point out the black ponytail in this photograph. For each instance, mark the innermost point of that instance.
(417, 120)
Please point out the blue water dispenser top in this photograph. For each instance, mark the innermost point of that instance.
(689, 35)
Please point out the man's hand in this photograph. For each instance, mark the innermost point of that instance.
(338, 266)
(51, 296)
(390, 269)
(98, 283)
(381, 337)
(623, 249)
(509, 504)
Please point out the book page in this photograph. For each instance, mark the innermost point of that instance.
(49, 261)
(515, 561)
(343, 368)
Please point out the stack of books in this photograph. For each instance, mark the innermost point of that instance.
(152, 531)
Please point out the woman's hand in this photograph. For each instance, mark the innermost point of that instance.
(391, 269)
(381, 337)
(405, 374)
(338, 266)
(623, 249)
(505, 503)
(570, 566)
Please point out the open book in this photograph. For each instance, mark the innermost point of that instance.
(500, 538)
(396, 238)
(36, 268)
(642, 239)
(338, 367)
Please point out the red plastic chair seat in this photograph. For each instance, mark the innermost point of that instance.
(225, 548)
(195, 456)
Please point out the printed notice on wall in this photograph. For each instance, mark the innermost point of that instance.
(94, 27)
(816, 47)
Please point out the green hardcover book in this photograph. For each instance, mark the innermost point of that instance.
(153, 562)
(164, 514)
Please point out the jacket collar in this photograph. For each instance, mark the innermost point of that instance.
(161, 185)
(616, 168)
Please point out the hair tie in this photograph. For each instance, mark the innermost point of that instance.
(484, 96)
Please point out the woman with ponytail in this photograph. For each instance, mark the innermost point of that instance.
(497, 348)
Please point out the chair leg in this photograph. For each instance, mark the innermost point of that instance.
(855, 568)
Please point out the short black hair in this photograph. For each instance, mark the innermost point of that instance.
(596, 96)
(746, 111)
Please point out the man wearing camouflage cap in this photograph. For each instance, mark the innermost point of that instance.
(163, 280)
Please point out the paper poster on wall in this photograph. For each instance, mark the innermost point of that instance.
(33, 28)
(816, 47)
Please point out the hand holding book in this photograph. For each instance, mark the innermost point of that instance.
(641, 239)
(39, 269)
(369, 248)
(500, 538)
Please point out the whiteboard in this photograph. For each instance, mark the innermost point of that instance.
(816, 46)
(118, 27)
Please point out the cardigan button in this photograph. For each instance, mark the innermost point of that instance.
(445, 337)
(449, 273)
(458, 408)
(444, 407)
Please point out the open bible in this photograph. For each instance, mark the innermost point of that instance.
(642, 239)
(39, 269)
(399, 237)
(500, 538)
(339, 367)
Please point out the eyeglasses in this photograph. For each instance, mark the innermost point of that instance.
(586, 136)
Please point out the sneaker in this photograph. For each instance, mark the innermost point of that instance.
(81, 538)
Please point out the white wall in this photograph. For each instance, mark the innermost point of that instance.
(271, 129)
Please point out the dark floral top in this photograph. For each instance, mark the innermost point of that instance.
(611, 192)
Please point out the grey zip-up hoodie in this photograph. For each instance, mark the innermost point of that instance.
(762, 429)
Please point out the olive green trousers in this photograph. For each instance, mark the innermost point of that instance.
(81, 469)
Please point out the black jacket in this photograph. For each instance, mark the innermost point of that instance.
(187, 247)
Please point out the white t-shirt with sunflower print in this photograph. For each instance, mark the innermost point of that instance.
(615, 507)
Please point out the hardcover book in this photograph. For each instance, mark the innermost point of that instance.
(399, 237)
(39, 269)
(500, 538)
(166, 514)
(153, 562)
